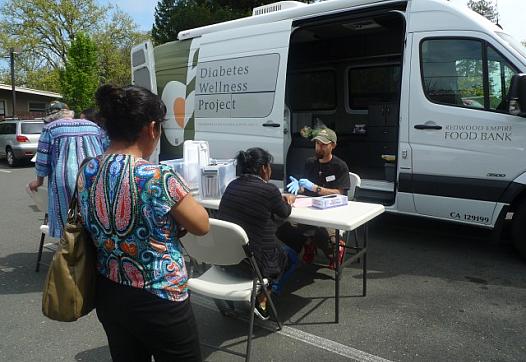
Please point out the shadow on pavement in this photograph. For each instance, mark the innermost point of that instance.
(100, 354)
(233, 331)
(17, 273)
(5, 166)
(402, 245)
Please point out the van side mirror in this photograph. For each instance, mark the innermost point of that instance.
(517, 95)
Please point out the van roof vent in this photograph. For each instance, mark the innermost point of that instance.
(271, 8)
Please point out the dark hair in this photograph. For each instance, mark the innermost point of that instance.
(126, 110)
(91, 114)
(251, 160)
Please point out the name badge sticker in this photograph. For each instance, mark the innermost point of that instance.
(330, 178)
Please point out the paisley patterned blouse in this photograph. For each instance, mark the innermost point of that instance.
(125, 203)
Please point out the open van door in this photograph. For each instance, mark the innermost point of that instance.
(143, 75)
(240, 90)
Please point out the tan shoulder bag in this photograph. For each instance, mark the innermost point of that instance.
(69, 289)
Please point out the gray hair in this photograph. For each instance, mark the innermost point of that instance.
(62, 114)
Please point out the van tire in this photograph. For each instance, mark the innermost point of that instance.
(518, 229)
(10, 157)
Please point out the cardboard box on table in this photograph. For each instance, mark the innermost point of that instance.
(324, 202)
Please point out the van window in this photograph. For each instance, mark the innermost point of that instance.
(313, 90)
(453, 73)
(373, 84)
(2, 108)
(499, 75)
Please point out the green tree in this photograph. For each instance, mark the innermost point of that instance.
(114, 43)
(80, 77)
(172, 16)
(43, 31)
(163, 30)
(485, 8)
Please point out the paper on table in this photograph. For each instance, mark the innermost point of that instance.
(303, 202)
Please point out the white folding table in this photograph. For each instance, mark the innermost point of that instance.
(342, 218)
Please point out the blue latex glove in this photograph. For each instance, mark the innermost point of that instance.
(293, 187)
(306, 184)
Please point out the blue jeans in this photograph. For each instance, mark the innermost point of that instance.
(292, 264)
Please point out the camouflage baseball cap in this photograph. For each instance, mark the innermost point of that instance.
(325, 135)
(55, 107)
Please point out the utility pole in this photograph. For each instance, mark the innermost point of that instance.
(12, 59)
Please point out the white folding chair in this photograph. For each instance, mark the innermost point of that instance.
(355, 181)
(227, 244)
(40, 198)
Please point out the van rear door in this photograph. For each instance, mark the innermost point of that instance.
(143, 66)
(240, 90)
(143, 75)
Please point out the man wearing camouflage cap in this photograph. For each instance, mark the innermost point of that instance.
(62, 146)
(324, 174)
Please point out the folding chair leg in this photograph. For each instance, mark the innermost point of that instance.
(364, 265)
(337, 274)
(40, 249)
(259, 278)
(356, 243)
(272, 308)
(251, 319)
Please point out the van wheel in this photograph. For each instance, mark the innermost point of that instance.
(518, 229)
(10, 156)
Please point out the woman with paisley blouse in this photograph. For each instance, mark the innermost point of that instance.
(136, 211)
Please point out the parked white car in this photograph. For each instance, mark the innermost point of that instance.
(19, 140)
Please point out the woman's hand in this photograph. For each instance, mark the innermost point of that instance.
(289, 198)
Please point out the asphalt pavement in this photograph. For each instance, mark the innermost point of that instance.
(436, 292)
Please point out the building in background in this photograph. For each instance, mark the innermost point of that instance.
(30, 103)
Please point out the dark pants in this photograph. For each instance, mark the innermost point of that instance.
(296, 235)
(140, 325)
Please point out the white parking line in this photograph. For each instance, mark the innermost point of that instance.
(5, 171)
(313, 340)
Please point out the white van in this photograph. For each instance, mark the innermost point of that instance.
(417, 91)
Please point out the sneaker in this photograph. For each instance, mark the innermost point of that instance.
(341, 255)
(276, 288)
(309, 251)
(261, 311)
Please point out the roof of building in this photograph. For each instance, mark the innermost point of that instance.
(31, 91)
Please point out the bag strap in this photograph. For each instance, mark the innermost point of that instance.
(73, 213)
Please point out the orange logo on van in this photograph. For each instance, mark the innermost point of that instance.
(179, 111)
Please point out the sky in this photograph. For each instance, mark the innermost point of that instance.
(141, 11)
(511, 16)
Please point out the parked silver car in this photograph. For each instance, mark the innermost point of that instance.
(19, 139)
